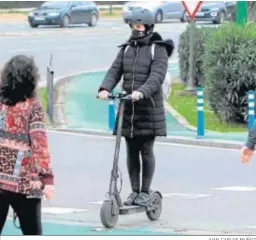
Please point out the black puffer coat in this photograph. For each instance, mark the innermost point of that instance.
(145, 117)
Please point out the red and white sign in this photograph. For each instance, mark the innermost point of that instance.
(192, 7)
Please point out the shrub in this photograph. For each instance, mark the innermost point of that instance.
(183, 50)
(199, 39)
(229, 66)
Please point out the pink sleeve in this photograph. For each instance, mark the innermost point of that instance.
(39, 144)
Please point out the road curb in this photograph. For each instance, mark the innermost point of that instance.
(215, 143)
(179, 117)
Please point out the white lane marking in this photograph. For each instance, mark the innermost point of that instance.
(59, 48)
(22, 50)
(29, 41)
(69, 47)
(58, 79)
(40, 49)
(187, 195)
(96, 203)
(236, 188)
(86, 34)
(59, 210)
(251, 227)
(158, 143)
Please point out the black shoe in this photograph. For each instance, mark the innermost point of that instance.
(143, 199)
(131, 198)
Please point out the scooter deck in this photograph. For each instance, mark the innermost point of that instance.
(131, 210)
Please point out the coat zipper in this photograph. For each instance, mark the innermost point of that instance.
(133, 80)
(152, 100)
(154, 107)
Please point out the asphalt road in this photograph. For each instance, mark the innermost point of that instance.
(75, 49)
(188, 177)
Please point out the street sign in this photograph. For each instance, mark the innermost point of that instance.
(192, 7)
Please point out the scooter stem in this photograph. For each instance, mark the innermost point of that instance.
(114, 172)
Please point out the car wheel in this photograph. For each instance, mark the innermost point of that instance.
(93, 20)
(159, 17)
(33, 25)
(65, 21)
(221, 18)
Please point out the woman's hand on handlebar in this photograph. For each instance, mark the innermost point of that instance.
(136, 95)
(103, 95)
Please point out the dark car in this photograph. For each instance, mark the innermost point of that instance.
(64, 13)
(215, 12)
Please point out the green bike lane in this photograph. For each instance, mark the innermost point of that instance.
(56, 228)
(84, 112)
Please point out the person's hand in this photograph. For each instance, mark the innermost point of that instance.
(136, 95)
(48, 191)
(246, 155)
(103, 95)
(36, 184)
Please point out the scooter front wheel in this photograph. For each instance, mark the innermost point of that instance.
(109, 213)
(155, 209)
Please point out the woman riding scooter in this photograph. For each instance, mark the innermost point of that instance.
(144, 116)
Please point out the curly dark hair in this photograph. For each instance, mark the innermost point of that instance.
(18, 80)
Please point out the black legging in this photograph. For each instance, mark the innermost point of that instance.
(28, 212)
(135, 147)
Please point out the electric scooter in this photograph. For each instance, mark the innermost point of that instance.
(113, 206)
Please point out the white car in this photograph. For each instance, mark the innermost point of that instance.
(161, 9)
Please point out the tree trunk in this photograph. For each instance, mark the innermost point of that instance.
(233, 15)
(251, 11)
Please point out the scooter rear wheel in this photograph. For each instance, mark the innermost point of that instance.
(109, 213)
(155, 209)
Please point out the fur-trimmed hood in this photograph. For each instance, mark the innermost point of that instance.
(168, 43)
(156, 39)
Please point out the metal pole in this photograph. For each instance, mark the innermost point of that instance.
(47, 89)
(241, 12)
(251, 113)
(50, 94)
(200, 112)
(190, 84)
(111, 8)
(50, 91)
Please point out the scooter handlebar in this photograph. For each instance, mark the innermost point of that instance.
(121, 96)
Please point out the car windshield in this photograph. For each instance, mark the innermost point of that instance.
(54, 5)
(211, 3)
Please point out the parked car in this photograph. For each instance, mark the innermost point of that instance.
(64, 13)
(161, 9)
(215, 12)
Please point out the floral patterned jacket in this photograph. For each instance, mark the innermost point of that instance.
(24, 155)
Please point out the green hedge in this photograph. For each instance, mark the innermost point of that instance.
(229, 67)
(42, 94)
(201, 34)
